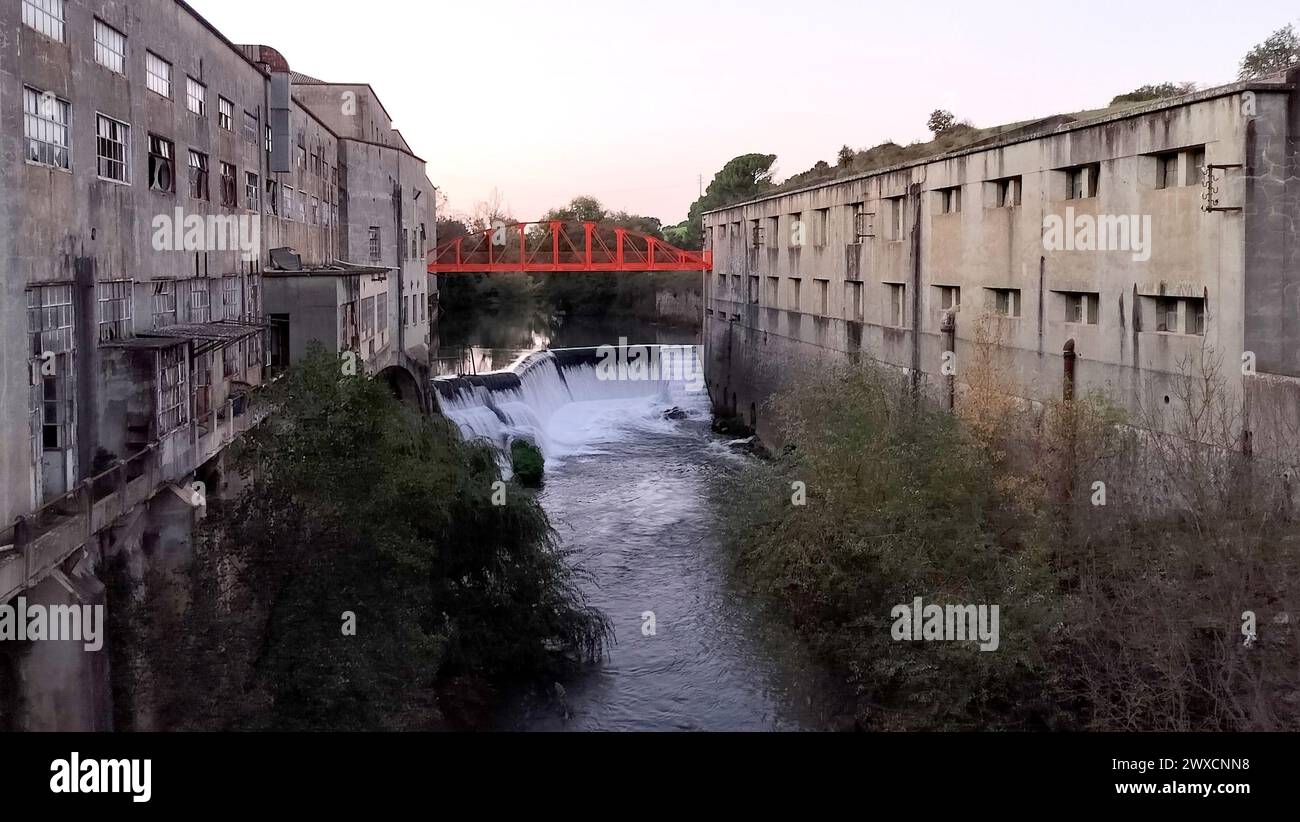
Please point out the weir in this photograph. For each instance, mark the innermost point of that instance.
(522, 401)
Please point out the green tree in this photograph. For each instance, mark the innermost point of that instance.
(354, 505)
(742, 178)
(940, 121)
(845, 156)
(1157, 91)
(1278, 53)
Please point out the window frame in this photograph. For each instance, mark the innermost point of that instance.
(105, 51)
(124, 145)
(35, 13)
(191, 99)
(49, 126)
(153, 78)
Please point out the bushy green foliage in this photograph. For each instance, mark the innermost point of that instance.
(527, 462)
(354, 505)
(1159, 91)
(1278, 53)
(899, 505)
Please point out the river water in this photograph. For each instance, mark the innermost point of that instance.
(628, 491)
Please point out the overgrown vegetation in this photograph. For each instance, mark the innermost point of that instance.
(527, 462)
(362, 578)
(1122, 559)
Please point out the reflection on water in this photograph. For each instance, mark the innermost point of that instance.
(479, 343)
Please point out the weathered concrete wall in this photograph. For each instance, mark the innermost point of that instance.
(775, 307)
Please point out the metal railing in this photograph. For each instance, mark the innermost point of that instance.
(38, 542)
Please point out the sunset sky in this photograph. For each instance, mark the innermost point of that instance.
(633, 102)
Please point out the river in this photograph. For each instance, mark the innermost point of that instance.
(629, 492)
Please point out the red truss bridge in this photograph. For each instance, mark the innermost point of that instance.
(556, 245)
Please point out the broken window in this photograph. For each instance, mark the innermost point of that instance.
(162, 168)
(112, 149)
(115, 321)
(45, 126)
(199, 187)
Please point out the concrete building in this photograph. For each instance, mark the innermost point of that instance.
(1103, 231)
(157, 184)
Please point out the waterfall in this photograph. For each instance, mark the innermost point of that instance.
(565, 401)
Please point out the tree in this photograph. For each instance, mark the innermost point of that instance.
(845, 155)
(1158, 91)
(353, 505)
(940, 121)
(1278, 53)
(742, 178)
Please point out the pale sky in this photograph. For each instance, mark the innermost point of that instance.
(631, 102)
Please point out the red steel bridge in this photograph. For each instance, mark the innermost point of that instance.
(557, 245)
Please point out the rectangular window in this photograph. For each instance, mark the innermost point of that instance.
(158, 74)
(374, 243)
(112, 149)
(229, 186)
(1005, 301)
(200, 301)
(1167, 170)
(949, 297)
(49, 319)
(315, 211)
(225, 114)
(252, 188)
(1006, 192)
(821, 226)
(199, 183)
(230, 361)
(406, 236)
(110, 47)
(796, 294)
(272, 198)
(367, 317)
(173, 399)
(1184, 315)
(896, 300)
(753, 289)
(250, 128)
(950, 200)
(45, 16)
(55, 407)
(196, 97)
(1167, 316)
(46, 120)
(230, 298)
(288, 203)
(114, 310)
(164, 303)
(1082, 182)
(162, 166)
(853, 306)
(381, 310)
(895, 211)
(823, 297)
(1082, 308)
(202, 392)
(1195, 166)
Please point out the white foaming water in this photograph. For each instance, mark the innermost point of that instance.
(569, 412)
